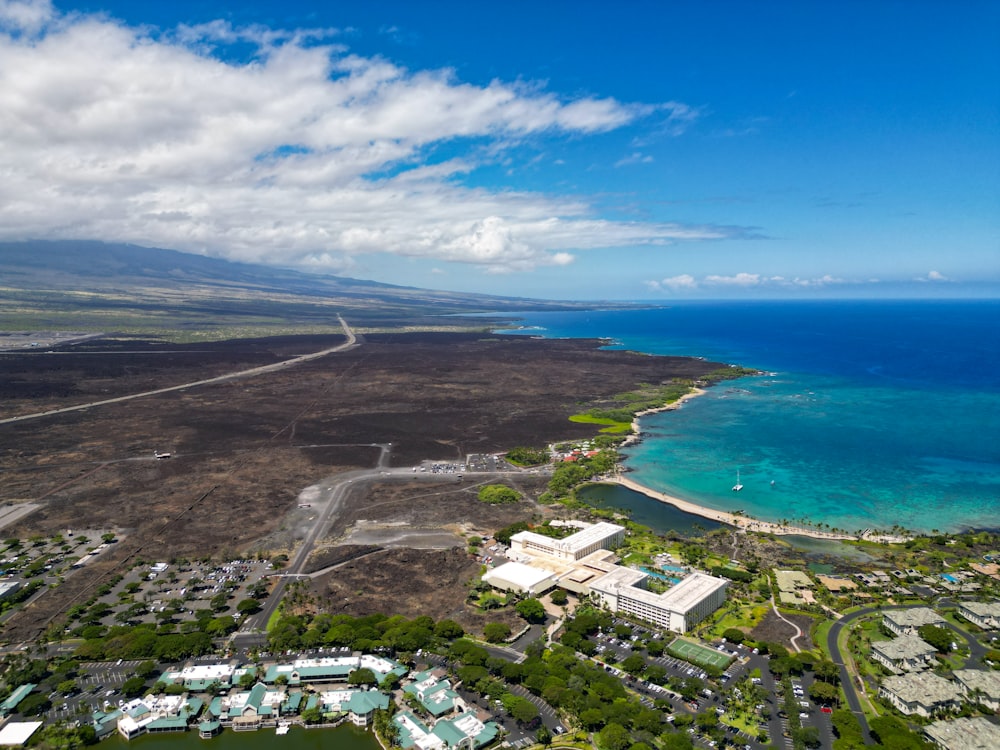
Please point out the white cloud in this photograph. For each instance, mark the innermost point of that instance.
(25, 16)
(933, 276)
(634, 158)
(740, 279)
(300, 154)
(674, 283)
(687, 282)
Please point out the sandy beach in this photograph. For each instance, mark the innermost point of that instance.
(740, 520)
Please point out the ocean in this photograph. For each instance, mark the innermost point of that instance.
(872, 414)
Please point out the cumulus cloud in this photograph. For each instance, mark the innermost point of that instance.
(24, 16)
(674, 283)
(300, 153)
(933, 276)
(740, 279)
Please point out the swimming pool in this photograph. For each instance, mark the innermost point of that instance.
(659, 575)
(950, 578)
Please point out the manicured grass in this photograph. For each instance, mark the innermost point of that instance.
(613, 427)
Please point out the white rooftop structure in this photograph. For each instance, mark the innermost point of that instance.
(601, 535)
(18, 732)
(515, 576)
(677, 609)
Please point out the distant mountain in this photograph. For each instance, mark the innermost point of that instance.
(38, 277)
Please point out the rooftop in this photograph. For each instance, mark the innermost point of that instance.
(965, 734)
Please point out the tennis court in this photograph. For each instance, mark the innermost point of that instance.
(701, 656)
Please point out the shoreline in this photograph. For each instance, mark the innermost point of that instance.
(739, 521)
(636, 435)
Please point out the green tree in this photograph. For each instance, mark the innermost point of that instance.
(531, 609)
(523, 711)
(67, 687)
(614, 737)
(248, 607)
(363, 676)
(495, 632)
(312, 715)
(733, 635)
(936, 636)
(559, 597)
(133, 687)
(449, 630)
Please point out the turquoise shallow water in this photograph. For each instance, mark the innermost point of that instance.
(875, 414)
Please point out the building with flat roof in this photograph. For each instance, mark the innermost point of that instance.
(18, 732)
(623, 590)
(907, 621)
(525, 579)
(964, 734)
(920, 693)
(985, 615)
(907, 653)
(598, 536)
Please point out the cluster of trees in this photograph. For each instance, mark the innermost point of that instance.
(888, 731)
(568, 475)
(733, 574)
(524, 456)
(370, 633)
(146, 641)
(498, 494)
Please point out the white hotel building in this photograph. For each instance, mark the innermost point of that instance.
(601, 535)
(677, 609)
(622, 590)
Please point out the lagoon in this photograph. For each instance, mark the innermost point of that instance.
(345, 737)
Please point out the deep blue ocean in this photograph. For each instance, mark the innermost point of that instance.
(873, 414)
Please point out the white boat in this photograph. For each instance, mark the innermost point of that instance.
(737, 487)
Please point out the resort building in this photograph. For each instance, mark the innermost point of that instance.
(333, 669)
(157, 713)
(907, 621)
(359, 705)
(921, 693)
(8, 706)
(464, 732)
(964, 734)
(907, 653)
(623, 590)
(598, 536)
(794, 587)
(17, 733)
(980, 686)
(985, 615)
(435, 694)
(524, 579)
(200, 677)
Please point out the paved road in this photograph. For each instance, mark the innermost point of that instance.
(351, 341)
(853, 702)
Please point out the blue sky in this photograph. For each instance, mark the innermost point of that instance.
(655, 150)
